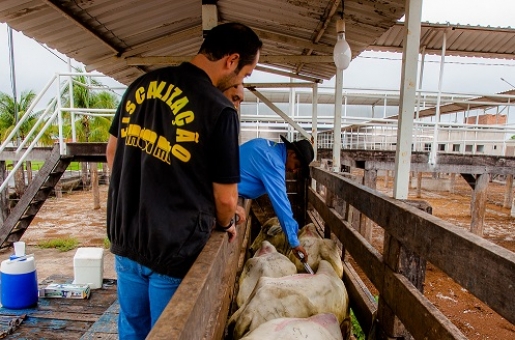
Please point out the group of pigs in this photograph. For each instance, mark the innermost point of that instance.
(278, 299)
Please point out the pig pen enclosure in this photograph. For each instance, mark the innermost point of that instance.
(385, 283)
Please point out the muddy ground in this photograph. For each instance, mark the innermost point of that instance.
(73, 216)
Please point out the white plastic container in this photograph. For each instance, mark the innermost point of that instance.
(88, 267)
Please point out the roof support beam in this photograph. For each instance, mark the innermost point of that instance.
(324, 22)
(174, 60)
(407, 98)
(264, 35)
(166, 40)
(70, 16)
(287, 74)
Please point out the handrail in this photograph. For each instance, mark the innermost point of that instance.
(26, 153)
(8, 139)
(39, 128)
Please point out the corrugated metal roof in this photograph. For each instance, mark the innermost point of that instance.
(105, 34)
(484, 102)
(462, 40)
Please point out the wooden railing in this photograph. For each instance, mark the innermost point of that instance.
(199, 308)
(483, 268)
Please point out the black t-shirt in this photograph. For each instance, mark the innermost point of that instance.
(177, 134)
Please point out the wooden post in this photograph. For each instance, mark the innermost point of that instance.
(419, 184)
(58, 190)
(329, 201)
(412, 266)
(369, 180)
(4, 200)
(508, 196)
(94, 185)
(355, 214)
(478, 204)
(28, 165)
(386, 178)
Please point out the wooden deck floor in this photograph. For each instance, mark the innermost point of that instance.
(93, 318)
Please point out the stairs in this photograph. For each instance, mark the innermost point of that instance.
(35, 195)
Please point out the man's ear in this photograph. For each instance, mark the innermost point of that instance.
(232, 61)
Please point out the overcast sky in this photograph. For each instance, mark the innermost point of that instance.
(35, 65)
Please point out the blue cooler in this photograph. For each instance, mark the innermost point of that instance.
(19, 283)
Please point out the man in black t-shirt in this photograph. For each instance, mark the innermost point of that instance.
(174, 156)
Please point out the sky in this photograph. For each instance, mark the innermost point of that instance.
(35, 64)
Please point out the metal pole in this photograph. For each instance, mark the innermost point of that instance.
(314, 125)
(438, 101)
(337, 135)
(314, 118)
(70, 96)
(407, 98)
(13, 78)
(419, 90)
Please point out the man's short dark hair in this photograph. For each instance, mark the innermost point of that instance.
(229, 38)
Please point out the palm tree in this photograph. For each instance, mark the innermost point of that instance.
(89, 128)
(7, 117)
(8, 120)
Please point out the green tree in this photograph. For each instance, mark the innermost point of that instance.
(8, 118)
(89, 128)
(10, 113)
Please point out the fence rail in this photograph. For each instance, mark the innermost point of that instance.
(482, 267)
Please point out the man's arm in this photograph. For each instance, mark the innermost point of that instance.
(226, 200)
(274, 180)
(111, 150)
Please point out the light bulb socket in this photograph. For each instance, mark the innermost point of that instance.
(340, 26)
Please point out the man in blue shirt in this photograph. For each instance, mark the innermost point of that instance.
(263, 167)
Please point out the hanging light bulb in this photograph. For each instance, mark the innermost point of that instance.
(341, 53)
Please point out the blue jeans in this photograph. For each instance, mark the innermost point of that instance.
(143, 295)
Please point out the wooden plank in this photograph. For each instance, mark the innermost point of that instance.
(369, 180)
(484, 268)
(195, 301)
(31, 191)
(478, 206)
(508, 195)
(30, 334)
(107, 323)
(87, 152)
(32, 325)
(392, 288)
(106, 327)
(446, 163)
(361, 301)
(36, 154)
(365, 255)
(421, 318)
(99, 336)
(86, 317)
(218, 319)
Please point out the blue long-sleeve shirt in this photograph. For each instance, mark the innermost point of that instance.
(263, 170)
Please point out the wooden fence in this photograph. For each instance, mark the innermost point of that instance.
(201, 305)
(483, 268)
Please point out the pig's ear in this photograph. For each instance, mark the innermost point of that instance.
(274, 230)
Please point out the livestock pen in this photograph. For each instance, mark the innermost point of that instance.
(412, 236)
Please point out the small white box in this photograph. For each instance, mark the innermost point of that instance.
(88, 267)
